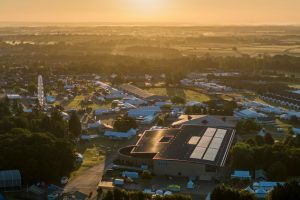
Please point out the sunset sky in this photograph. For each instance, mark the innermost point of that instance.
(203, 12)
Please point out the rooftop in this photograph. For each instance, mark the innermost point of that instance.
(140, 92)
(190, 143)
(206, 120)
(136, 91)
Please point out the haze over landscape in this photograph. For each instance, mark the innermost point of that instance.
(196, 12)
(150, 99)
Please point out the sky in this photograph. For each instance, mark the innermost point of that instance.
(200, 12)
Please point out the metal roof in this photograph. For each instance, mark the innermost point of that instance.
(10, 178)
(210, 149)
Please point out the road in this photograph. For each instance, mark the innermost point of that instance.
(88, 181)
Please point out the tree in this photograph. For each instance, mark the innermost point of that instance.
(277, 171)
(75, 125)
(123, 123)
(4, 109)
(229, 107)
(109, 195)
(288, 191)
(259, 140)
(17, 107)
(161, 121)
(247, 125)
(118, 194)
(223, 192)
(292, 141)
(49, 157)
(194, 110)
(178, 100)
(242, 157)
(268, 139)
(32, 88)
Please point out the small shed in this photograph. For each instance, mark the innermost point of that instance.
(242, 175)
(261, 193)
(10, 180)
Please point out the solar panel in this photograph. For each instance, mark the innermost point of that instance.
(208, 145)
(198, 153)
(216, 143)
(204, 142)
(209, 132)
(194, 140)
(210, 154)
(220, 133)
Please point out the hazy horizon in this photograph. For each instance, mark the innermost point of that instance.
(174, 12)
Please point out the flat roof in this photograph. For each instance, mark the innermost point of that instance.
(189, 143)
(143, 94)
(210, 120)
(136, 91)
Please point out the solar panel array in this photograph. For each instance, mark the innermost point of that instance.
(203, 143)
(209, 145)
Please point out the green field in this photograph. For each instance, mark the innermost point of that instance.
(94, 152)
(189, 95)
(76, 103)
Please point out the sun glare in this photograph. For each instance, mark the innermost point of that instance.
(147, 6)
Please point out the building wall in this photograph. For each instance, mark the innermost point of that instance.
(185, 169)
(135, 161)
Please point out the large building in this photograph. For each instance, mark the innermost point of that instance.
(140, 93)
(206, 120)
(190, 151)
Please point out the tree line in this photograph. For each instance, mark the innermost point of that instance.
(38, 145)
(280, 160)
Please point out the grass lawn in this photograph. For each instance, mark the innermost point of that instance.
(75, 103)
(284, 125)
(189, 95)
(295, 85)
(94, 152)
(104, 105)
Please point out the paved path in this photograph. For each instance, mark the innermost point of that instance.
(88, 180)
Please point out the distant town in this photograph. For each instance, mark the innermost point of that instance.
(148, 135)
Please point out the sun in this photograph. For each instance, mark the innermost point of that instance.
(147, 5)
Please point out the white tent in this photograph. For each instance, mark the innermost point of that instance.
(167, 193)
(159, 192)
(190, 185)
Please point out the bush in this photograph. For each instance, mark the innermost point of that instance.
(146, 175)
